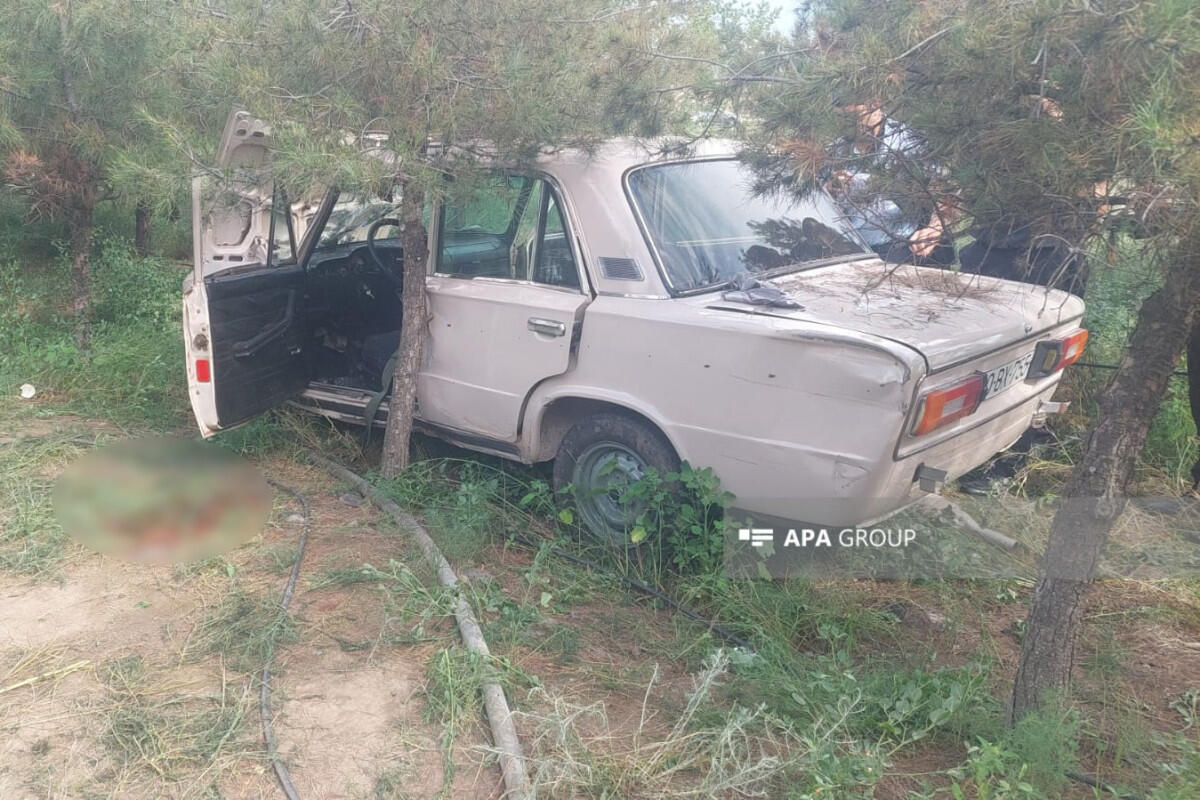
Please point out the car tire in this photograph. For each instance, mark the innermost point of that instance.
(588, 446)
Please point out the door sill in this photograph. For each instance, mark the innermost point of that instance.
(346, 404)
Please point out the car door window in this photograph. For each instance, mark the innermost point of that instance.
(283, 240)
(555, 264)
(522, 253)
(507, 226)
(480, 226)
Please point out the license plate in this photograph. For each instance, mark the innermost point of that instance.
(1002, 377)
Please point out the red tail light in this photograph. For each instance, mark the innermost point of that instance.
(1049, 357)
(943, 406)
(203, 372)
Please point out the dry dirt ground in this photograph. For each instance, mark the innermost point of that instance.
(346, 721)
(111, 685)
(128, 681)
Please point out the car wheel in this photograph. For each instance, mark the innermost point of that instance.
(598, 458)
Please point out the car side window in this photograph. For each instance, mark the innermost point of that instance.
(523, 250)
(283, 240)
(555, 262)
(480, 226)
(506, 226)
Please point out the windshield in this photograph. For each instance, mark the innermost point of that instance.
(352, 217)
(708, 225)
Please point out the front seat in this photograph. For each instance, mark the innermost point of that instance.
(377, 351)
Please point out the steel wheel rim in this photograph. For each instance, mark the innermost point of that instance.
(598, 488)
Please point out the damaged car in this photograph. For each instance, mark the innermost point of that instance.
(624, 310)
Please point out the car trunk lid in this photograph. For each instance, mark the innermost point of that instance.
(948, 317)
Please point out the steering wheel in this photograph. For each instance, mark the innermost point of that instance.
(374, 251)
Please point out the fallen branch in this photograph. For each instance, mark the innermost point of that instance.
(962, 518)
(504, 733)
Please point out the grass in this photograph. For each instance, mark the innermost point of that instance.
(279, 558)
(416, 609)
(31, 540)
(826, 651)
(159, 736)
(132, 373)
(454, 680)
(704, 752)
(244, 629)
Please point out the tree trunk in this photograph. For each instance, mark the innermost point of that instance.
(79, 221)
(413, 331)
(1095, 494)
(141, 228)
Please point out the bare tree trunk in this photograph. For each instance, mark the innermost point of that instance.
(141, 228)
(79, 221)
(413, 331)
(1095, 494)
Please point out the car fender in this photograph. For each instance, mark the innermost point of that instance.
(553, 390)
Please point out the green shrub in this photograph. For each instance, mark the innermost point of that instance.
(134, 370)
(127, 288)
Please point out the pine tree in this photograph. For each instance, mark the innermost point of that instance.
(77, 80)
(1044, 109)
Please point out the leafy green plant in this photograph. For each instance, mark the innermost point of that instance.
(679, 518)
(992, 772)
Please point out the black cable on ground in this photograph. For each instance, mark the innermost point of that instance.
(1095, 783)
(645, 588)
(281, 770)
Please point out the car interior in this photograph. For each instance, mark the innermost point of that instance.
(507, 227)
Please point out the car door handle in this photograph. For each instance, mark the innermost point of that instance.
(547, 326)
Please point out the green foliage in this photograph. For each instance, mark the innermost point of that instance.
(1124, 273)
(681, 521)
(1030, 761)
(1047, 743)
(992, 772)
(1180, 772)
(537, 73)
(888, 706)
(134, 373)
(134, 290)
(456, 498)
(454, 679)
(81, 82)
(524, 619)
(31, 540)
(970, 77)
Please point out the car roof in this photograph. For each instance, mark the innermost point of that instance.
(593, 179)
(626, 152)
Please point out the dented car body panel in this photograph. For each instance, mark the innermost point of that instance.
(805, 412)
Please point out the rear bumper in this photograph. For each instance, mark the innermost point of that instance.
(838, 499)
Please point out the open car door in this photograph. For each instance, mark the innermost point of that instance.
(243, 304)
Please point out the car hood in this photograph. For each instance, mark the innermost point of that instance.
(946, 316)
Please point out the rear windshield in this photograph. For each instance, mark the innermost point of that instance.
(709, 226)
